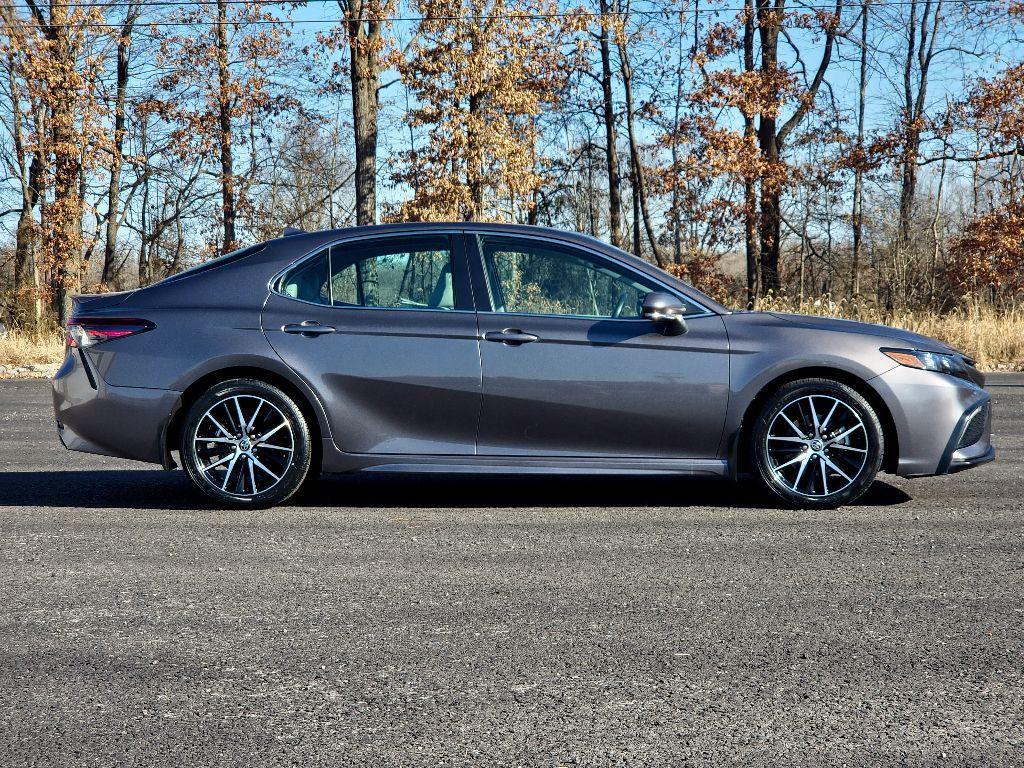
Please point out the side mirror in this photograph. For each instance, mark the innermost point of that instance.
(666, 312)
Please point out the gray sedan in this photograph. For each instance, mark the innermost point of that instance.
(492, 348)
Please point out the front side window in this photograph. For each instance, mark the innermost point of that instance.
(532, 277)
(401, 273)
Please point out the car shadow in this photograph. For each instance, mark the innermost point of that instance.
(155, 489)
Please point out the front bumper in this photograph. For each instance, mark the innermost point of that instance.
(95, 417)
(970, 444)
(943, 423)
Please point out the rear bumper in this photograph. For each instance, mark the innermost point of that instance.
(943, 423)
(94, 417)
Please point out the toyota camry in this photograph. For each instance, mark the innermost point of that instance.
(503, 349)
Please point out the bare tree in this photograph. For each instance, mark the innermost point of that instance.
(113, 221)
(363, 24)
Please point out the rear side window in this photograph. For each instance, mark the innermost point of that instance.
(405, 273)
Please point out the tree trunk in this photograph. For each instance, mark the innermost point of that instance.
(639, 190)
(117, 156)
(30, 177)
(611, 152)
(227, 173)
(62, 239)
(145, 277)
(920, 50)
(771, 138)
(475, 162)
(364, 70)
(933, 272)
(767, 139)
(749, 184)
(677, 214)
(638, 249)
(858, 177)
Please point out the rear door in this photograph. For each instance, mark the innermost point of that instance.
(383, 329)
(571, 368)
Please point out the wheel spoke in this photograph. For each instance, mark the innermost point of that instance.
(252, 476)
(824, 475)
(227, 475)
(828, 418)
(259, 405)
(801, 457)
(267, 436)
(791, 424)
(263, 466)
(786, 439)
(841, 447)
(800, 471)
(220, 461)
(241, 418)
(275, 447)
(230, 417)
(219, 426)
(850, 431)
(814, 416)
(833, 466)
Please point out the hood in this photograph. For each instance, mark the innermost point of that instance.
(898, 335)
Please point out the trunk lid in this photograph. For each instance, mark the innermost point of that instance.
(90, 303)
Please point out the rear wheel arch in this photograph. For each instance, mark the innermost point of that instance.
(195, 390)
(891, 454)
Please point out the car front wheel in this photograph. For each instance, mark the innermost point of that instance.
(817, 443)
(246, 443)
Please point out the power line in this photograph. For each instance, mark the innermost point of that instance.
(400, 19)
(201, 3)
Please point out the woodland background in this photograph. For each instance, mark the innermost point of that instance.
(852, 158)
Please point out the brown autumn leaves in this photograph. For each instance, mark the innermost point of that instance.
(734, 154)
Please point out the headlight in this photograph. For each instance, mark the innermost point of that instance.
(954, 365)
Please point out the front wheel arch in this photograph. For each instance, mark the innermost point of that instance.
(741, 438)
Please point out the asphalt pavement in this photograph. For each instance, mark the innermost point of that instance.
(436, 621)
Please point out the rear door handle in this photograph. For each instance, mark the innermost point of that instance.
(308, 328)
(511, 336)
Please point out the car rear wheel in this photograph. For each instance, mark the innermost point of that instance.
(246, 443)
(817, 443)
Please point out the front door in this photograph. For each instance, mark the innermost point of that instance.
(383, 331)
(571, 369)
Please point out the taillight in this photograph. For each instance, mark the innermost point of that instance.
(87, 331)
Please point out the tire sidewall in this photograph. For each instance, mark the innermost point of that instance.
(793, 391)
(301, 456)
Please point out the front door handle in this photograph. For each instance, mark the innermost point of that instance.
(511, 336)
(308, 328)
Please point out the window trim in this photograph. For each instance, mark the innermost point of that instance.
(590, 253)
(458, 248)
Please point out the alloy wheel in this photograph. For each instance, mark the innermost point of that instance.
(244, 445)
(816, 445)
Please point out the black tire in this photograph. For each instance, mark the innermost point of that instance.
(270, 439)
(781, 452)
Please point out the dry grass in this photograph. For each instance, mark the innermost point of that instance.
(994, 339)
(21, 348)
